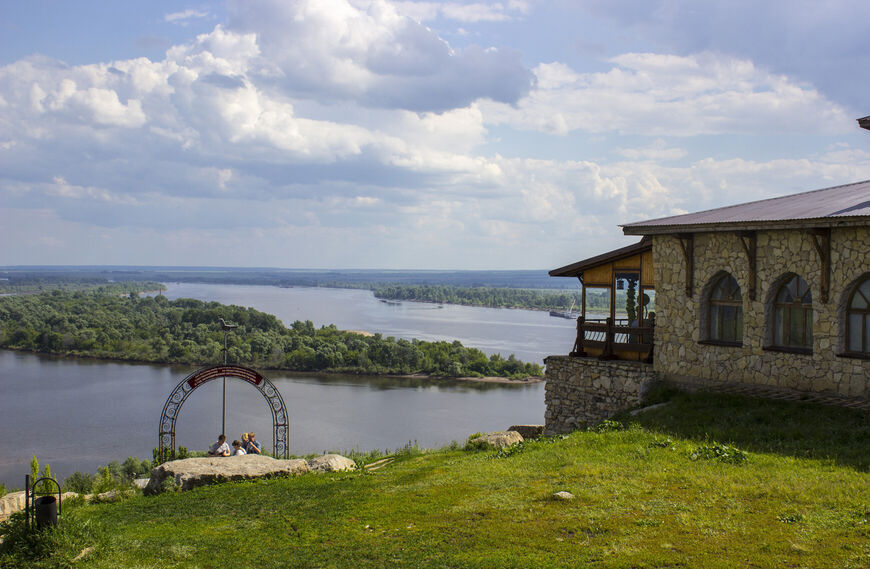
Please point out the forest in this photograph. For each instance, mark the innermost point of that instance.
(29, 284)
(492, 297)
(155, 329)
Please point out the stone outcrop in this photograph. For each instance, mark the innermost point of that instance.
(331, 463)
(14, 502)
(499, 439)
(528, 431)
(584, 391)
(193, 472)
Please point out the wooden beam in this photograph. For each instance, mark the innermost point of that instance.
(749, 240)
(687, 243)
(822, 243)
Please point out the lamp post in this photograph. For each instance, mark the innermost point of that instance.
(226, 328)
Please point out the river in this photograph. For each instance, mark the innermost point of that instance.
(80, 414)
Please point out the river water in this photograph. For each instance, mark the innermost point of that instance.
(80, 414)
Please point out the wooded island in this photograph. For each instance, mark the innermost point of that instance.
(157, 330)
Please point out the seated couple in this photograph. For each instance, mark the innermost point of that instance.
(250, 446)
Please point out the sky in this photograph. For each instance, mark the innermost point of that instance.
(410, 135)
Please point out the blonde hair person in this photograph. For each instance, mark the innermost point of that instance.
(253, 446)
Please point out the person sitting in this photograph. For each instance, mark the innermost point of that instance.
(237, 448)
(220, 448)
(253, 446)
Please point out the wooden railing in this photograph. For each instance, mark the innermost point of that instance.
(613, 337)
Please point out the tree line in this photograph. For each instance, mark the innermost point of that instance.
(157, 330)
(482, 296)
(29, 284)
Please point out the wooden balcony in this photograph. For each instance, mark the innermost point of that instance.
(614, 339)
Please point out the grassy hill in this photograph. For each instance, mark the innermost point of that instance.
(705, 481)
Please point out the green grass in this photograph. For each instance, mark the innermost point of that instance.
(641, 501)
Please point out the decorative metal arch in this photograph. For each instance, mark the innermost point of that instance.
(188, 385)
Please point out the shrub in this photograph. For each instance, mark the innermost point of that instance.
(80, 482)
(50, 547)
(606, 426)
(473, 442)
(163, 454)
(720, 452)
(661, 443)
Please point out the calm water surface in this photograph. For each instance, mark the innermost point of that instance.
(531, 335)
(80, 414)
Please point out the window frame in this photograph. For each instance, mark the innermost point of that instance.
(864, 314)
(719, 306)
(785, 309)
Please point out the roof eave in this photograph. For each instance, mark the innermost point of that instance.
(576, 269)
(809, 223)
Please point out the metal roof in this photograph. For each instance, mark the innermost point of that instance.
(576, 269)
(828, 206)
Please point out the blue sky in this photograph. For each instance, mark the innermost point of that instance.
(444, 135)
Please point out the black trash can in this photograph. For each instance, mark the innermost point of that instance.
(46, 511)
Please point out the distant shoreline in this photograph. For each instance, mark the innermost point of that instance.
(489, 379)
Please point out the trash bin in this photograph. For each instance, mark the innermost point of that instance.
(46, 511)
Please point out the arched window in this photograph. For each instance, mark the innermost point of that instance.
(793, 315)
(726, 311)
(858, 320)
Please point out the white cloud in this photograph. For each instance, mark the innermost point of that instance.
(657, 151)
(365, 139)
(658, 94)
(183, 18)
(468, 13)
(373, 55)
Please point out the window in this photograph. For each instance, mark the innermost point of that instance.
(858, 320)
(793, 315)
(726, 311)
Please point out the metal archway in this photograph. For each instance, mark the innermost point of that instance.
(188, 385)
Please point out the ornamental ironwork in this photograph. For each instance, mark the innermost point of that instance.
(280, 418)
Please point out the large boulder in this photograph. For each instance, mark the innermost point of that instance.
(193, 472)
(331, 463)
(499, 439)
(529, 431)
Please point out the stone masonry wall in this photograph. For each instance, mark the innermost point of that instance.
(680, 321)
(584, 391)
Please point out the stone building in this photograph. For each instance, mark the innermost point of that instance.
(773, 294)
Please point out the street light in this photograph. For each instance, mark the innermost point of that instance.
(226, 328)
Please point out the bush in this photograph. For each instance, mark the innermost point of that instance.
(80, 482)
(163, 454)
(474, 442)
(720, 452)
(49, 547)
(607, 426)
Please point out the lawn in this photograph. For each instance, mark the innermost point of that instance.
(706, 481)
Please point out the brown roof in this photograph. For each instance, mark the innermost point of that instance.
(576, 269)
(830, 206)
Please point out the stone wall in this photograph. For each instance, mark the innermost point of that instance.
(680, 321)
(584, 391)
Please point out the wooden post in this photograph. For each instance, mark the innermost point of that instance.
(687, 243)
(578, 351)
(607, 353)
(27, 502)
(652, 340)
(749, 240)
(822, 243)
